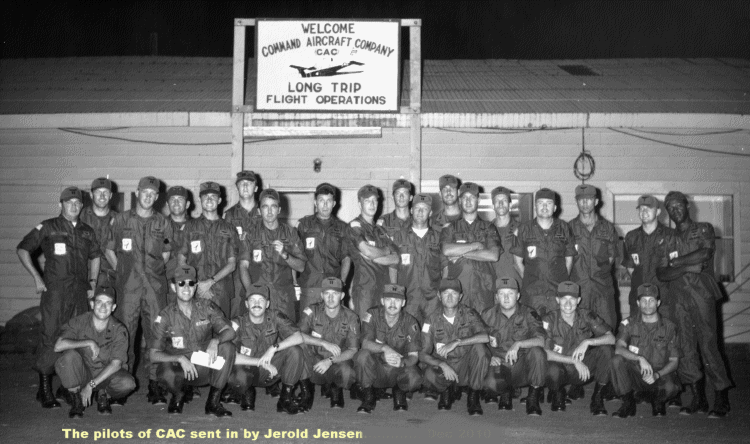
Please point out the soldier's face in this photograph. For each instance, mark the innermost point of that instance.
(178, 205)
(401, 197)
(269, 209)
(648, 305)
(501, 204)
(421, 213)
(332, 298)
(101, 197)
(507, 298)
(103, 306)
(450, 298)
(587, 205)
(677, 210)
(369, 206)
(392, 305)
(246, 189)
(71, 208)
(449, 194)
(146, 198)
(325, 203)
(186, 291)
(648, 214)
(210, 202)
(469, 203)
(545, 207)
(256, 305)
(568, 304)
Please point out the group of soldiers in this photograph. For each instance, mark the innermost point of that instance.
(440, 302)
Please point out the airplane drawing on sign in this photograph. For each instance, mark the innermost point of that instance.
(326, 72)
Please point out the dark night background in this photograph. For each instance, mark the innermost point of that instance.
(451, 29)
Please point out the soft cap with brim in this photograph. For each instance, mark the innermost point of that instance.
(210, 188)
(648, 200)
(367, 191)
(469, 187)
(149, 182)
(259, 289)
(269, 193)
(506, 282)
(106, 291)
(568, 288)
(246, 175)
(501, 190)
(184, 273)
(177, 191)
(544, 193)
(585, 191)
(401, 183)
(101, 182)
(648, 290)
(71, 193)
(394, 291)
(332, 283)
(423, 199)
(325, 188)
(450, 284)
(448, 179)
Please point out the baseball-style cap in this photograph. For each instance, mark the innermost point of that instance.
(450, 284)
(367, 191)
(469, 187)
(246, 175)
(177, 190)
(332, 283)
(648, 200)
(325, 188)
(506, 282)
(544, 193)
(448, 179)
(270, 193)
(71, 193)
(259, 289)
(500, 190)
(585, 191)
(675, 195)
(106, 291)
(423, 199)
(184, 273)
(648, 290)
(394, 291)
(149, 182)
(101, 182)
(210, 188)
(401, 183)
(568, 288)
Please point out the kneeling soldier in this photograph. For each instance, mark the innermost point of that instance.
(579, 348)
(331, 333)
(95, 357)
(192, 325)
(517, 347)
(453, 349)
(647, 356)
(267, 350)
(390, 350)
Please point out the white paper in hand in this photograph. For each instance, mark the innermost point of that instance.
(201, 358)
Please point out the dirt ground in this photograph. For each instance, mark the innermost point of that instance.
(23, 420)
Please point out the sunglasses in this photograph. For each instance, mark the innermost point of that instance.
(189, 283)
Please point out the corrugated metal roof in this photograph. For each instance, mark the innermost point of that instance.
(173, 84)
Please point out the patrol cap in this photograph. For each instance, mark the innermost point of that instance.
(269, 193)
(332, 283)
(675, 195)
(585, 191)
(544, 193)
(71, 193)
(448, 179)
(101, 182)
(367, 191)
(177, 190)
(469, 187)
(394, 291)
(648, 290)
(210, 188)
(259, 289)
(423, 199)
(106, 291)
(500, 190)
(450, 284)
(648, 200)
(246, 175)
(149, 182)
(325, 188)
(184, 273)
(506, 282)
(401, 183)
(568, 288)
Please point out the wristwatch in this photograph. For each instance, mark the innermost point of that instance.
(92, 384)
(330, 358)
(276, 346)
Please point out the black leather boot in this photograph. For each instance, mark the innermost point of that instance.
(337, 397)
(248, 399)
(230, 396)
(155, 393)
(63, 395)
(558, 400)
(473, 404)
(325, 390)
(356, 391)
(213, 404)
(506, 400)
(382, 393)
(76, 408)
(576, 392)
(306, 395)
(628, 406)
(102, 403)
(399, 400)
(699, 402)
(532, 404)
(287, 403)
(274, 390)
(676, 401)
(446, 399)
(597, 401)
(721, 404)
(44, 394)
(177, 402)
(368, 400)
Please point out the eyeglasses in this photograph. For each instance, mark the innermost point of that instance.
(183, 283)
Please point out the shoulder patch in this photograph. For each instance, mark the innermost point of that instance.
(366, 317)
(355, 224)
(308, 311)
(545, 324)
(625, 322)
(235, 326)
(39, 227)
(379, 222)
(426, 328)
(158, 320)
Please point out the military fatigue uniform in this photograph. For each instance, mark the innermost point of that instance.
(543, 253)
(244, 222)
(470, 362)
(176, 334)
(76, 367)
(101, 228)
(531, 366)
(325, 249)
(440, 220)
(404, 337)
(208, 245)
(592, 269)
(563, 339)
(477, 277)
(67, 250)
(392, 223)
(506, 264)
(644, 253)
(657, 342)
(178, 232)
(343, 330)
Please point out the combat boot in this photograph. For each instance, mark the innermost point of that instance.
(597, 401)
(532, 404)
(274, 390)
(627, 408)
(659, 403)
(676, 401)
(213, 404)
(287, 402)
(63, 395)
(382, 393)
(76, 408)
(44, 394)
(699, 402)
(176, 403)
(102, 403)
(155, 394)
(721, 404)
(473, 404)
(229, 396)
(558, 400)
(446, 399)
(356, 391)
(399, 399)
(576, 392)
(248, 399)
(337, 397)
(506, 401)
(368, 400)
(306, 395)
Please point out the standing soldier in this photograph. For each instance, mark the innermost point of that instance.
(690, 273)
(98, 216)
(399, 217)
(244, 217)
(371, 250)
(472, 246)
(71, 268)
(272, 250)
(421, 264)
(211, 246)
(544, 254)
(450, 211)
(324, 237)
(507, 229)
(596, 242)
(138, 247)
(178, 204)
